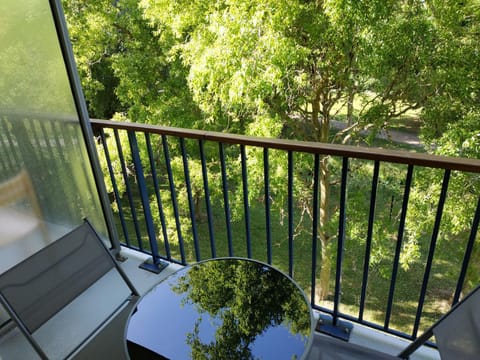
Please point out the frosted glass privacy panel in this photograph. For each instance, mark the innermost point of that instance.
(43, 155)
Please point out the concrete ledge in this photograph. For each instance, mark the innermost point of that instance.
(389, 344)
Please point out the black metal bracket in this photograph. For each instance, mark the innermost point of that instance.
(340, 330)
(155, 267)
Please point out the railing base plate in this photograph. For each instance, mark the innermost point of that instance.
(340, 331)
(156, 268)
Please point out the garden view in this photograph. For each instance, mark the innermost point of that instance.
(393, 74)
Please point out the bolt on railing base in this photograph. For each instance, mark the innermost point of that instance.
(156, 267)
(340, 331)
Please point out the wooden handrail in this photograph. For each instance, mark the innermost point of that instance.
(366, 153)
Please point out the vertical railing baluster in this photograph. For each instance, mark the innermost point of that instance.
(11, 156)
(54, 155)
(398, 249)
(368, 245)
(468, 254)
(431, 251)
(206, 189)
(341, 240)
(315, 206)
(266, 176)
(173, 193)
(191, 205)
(226, 202)
(290, 211)
(116, 193)
(60, 140)
(40, 154)
(156, 187)
(246, 207)
(18, 162)
(46, 155)
(5, 163)
(142, 187)
(3, 155)
(68, 135)
(16, 154)
(44, 179)
(128, 189)
(63, 148)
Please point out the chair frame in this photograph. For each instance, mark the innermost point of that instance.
(29, 334)
(338, 342)
(422, 339)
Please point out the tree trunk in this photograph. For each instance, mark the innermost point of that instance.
(197, 197)
(351, 97)
(326, 262)
(323, 126)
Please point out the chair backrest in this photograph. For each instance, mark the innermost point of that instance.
(457, 333)
(43, 285)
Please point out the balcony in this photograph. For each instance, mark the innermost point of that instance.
(180, 196)
(371, 235)
(229, 207)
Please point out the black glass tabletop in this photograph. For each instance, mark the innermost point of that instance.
(222, 309)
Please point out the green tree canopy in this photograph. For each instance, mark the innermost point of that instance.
(248, 298)
(283, 68)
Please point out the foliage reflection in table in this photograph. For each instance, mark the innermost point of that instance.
(224, 309)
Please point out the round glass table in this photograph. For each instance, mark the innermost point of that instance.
(226, 308)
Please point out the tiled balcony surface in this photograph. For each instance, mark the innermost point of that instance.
(109, 342)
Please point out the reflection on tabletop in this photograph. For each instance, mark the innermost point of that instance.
(224, 308)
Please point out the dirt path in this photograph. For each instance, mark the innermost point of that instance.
(392, 135)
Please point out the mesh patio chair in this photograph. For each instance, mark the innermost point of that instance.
(63, 295)
(457, 333)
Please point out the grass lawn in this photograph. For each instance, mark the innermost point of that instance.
(407, 285)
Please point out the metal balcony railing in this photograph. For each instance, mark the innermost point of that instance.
(186, 195)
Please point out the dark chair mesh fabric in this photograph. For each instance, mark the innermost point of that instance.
(40, 286)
